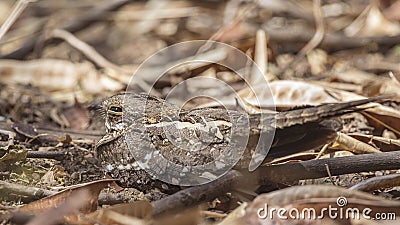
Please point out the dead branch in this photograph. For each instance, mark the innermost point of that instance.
(330, 42)
(283, 173)
(198, 194)
(46, 155)
(74, 134)
(29, 193)
(313, 169)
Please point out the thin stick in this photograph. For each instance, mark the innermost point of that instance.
(319, 31)
(329, 174)
(18, 8)
(353, 145)
(87, 50)
(28, 194)
(313, 169)
(46, 155)
(376, 183)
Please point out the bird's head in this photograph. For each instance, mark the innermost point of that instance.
(124, 109)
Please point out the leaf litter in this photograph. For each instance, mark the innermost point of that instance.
(310, 54)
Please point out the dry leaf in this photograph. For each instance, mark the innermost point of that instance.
(49, 74)
(282, 93)
(55, 75)
(353, 145)
(372, 23)
(89, 204)
(287, 93)
(69, 206)
(13, 154)
(139, 212)
(355, 76)
(384, 144)
(317, 59)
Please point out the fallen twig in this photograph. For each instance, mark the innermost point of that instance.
(376, 183)
(46, 155)
(319, 31)
(313, 169)
(29, 194)
(55, 132)
(18, 8)
(87, 50)
(330, 42)
(198, 194)
(353, 145)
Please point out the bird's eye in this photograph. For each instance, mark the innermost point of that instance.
(115, 109)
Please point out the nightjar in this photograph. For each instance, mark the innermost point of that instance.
(139, 124)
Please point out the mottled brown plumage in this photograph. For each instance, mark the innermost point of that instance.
(196, 137)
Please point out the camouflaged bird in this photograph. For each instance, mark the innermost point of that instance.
(197, 137)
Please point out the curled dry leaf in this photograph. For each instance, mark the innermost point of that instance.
(372, 22)
(53, 174)
(87, 204)
(56, 215)
(55, 75)
(353, 75)
(313, 200)
(390, 87)
(369, 83)
(136, 213)
(297, 93)
(353, 145)
(384, 118)
(12, 154)
(286, 93)
(384, 144)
